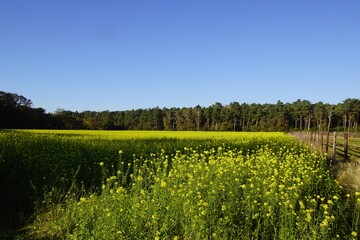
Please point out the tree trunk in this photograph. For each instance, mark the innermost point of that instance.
(345, 121)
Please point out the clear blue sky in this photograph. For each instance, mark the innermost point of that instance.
(121, 54)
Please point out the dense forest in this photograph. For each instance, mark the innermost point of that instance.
(16, 111)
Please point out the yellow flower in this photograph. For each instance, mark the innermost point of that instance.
(324, 223)
(120, 190)
(354, 234)
(163, 183)
(101, 164)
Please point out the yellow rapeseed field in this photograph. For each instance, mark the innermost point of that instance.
(180, 185)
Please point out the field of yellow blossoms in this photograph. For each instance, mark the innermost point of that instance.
(176, 185)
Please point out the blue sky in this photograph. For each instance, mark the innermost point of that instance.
(119, 55)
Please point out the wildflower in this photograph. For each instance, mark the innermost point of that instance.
(163, 183)
(101, 164)
(324, 223)
(354, 234)
(120, 190)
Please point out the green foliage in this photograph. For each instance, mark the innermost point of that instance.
(17, 113)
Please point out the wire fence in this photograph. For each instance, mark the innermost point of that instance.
(336, 145)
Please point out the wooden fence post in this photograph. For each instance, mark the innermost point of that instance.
(334, 147)
(317, 137)
(346, 145)
(327, 142)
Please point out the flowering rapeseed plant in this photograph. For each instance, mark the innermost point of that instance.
(264, 187)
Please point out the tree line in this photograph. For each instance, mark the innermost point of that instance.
(16, 111)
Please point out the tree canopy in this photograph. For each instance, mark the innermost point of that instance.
(16, 112)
